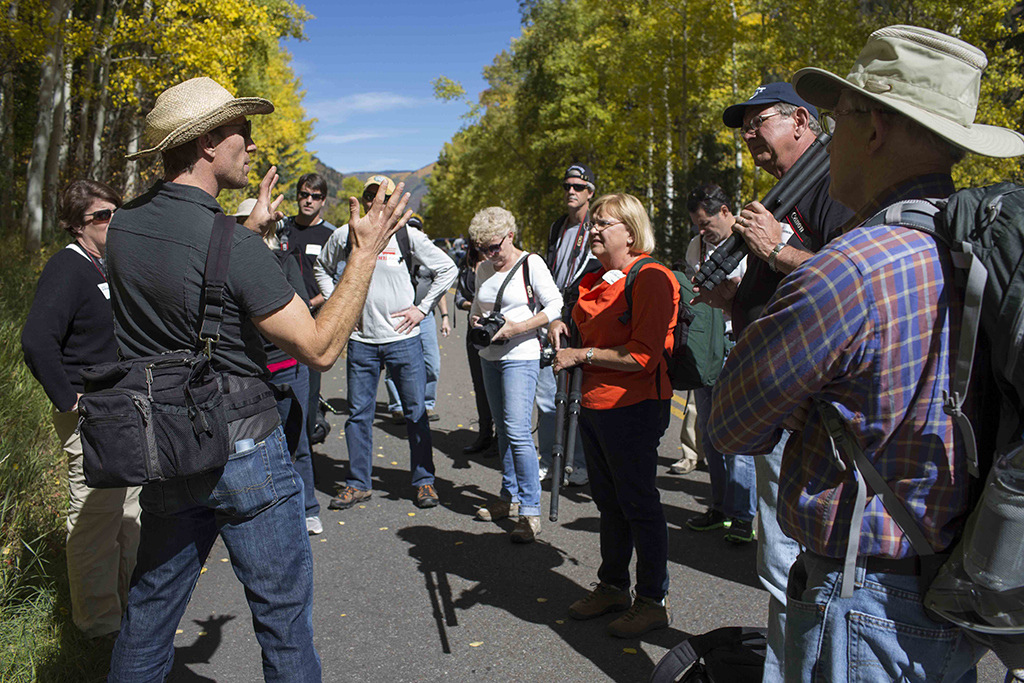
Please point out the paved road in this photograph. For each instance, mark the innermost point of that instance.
(404, 594)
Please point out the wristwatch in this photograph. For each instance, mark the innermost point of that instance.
(590, 356)
(772, 257)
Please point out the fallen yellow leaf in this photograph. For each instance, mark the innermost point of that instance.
(412, 514)
(341, 523)
(202, 633)
(476, 644)
(178, 632)
(203, 570)
(224, 560)
(383, 528)
(394, 462)
(459, 426)
(323, 540)
(542, 599)
(629, 650)
(362, 507)
(559, 621)
(459, 542)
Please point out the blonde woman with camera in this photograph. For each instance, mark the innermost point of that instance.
(515, 297)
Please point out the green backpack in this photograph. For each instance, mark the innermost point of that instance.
(698, 353)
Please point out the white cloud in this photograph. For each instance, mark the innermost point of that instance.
(351, 137)
(338, 109)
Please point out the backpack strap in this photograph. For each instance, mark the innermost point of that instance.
(630, 278)
(218, 258)
(849, 455)
(925, 215)
(404, 249)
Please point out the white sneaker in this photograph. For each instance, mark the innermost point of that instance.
(313, 526)
(544, 474)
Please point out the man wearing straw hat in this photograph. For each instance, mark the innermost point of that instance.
(869, 325)
(157, 250)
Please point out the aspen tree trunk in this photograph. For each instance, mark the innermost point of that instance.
(90, 75)
(737, 140)
(50, 75)
(6, 138)
(135, 128)
(58, 145)
(98, 166)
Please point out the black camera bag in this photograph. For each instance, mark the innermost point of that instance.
(161, 417)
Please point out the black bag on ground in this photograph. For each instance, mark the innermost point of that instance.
(734, 654)
(161, 417)
(698, 351)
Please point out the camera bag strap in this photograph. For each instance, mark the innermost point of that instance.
(218, 258)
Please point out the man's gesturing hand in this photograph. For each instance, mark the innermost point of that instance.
(265, 215)
(759, 229)
(374, 230)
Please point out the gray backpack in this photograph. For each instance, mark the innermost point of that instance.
(979, 585)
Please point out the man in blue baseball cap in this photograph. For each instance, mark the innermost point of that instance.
(778, 126)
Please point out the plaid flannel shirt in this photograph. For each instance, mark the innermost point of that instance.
(866, 325)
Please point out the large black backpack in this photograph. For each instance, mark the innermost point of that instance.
(981, 586)
(698, 351)
(733, 654)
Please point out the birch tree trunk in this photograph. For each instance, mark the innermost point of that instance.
(98, 166)
(135, 127)
(90, 75)
(6, 138)
(58, 144)
(50, 75)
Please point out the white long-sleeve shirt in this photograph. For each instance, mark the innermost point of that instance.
(515, 305)
(390, 289)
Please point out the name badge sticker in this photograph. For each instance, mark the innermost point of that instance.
(313, 249)
(390, 258)
(105, 290)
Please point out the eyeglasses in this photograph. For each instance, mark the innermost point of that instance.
(315, 196)
(574, 186)
(493, 249)
(246, 127)
(101, 216)
(370, 195)
(828, 118)
(755, 123)
(600, 225)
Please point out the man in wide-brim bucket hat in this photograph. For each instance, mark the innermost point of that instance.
(866, 334)
(185, 111)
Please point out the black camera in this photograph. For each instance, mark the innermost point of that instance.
(487, 326)
(547, 356)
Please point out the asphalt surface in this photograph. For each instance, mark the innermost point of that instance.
(403, 594)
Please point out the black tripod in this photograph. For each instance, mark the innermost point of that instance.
(567, 414)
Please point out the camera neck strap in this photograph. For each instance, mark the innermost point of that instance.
(508, 279)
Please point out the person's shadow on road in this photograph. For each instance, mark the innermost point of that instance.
(512, 578)
(199, 652)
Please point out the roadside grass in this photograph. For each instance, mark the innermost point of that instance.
(38, 641)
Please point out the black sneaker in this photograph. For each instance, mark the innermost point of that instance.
(741, 531)
(712, 519)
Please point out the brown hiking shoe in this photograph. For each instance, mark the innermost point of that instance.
(602, 600)
(497, 509)
(645, 615)
(426, 496)
(348, 497)
(527, 529)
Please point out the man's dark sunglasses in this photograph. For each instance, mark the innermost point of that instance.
(100, 216)
(246, 128)
(574, 186)
(369, 196)
(315, 196)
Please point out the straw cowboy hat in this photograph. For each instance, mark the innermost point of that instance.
(925, 75)
(185, 111)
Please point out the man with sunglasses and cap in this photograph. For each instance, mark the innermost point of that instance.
(569, 259)
(156, 252)
(778, 127)
(388, 335)
(869, 325)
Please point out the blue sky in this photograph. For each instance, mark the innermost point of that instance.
(367, 71)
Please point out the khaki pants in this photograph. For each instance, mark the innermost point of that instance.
(103, 537)
(690, 436)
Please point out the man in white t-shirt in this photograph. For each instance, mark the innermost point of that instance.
(733, 482)
(387, 334)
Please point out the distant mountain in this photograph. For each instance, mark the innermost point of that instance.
(415, 181)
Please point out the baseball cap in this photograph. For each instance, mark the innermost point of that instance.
(389, 184)
(767, 93)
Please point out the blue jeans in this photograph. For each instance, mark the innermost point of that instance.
(404, 359)
(546, 424)
(622, 450)
(776, 553)
(297, 377)
(733, 482)
(432, 359)
(510, 386)
(255, 504)
(881, 633)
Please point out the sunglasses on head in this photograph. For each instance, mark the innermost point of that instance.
(574, 186)
(370, 195)
(315, 196)
(100, 216)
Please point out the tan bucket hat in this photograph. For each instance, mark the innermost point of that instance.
(185, 111)
(925, 75)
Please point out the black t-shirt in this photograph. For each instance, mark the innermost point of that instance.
(822, 217)
(306, 242)
(156, 255)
